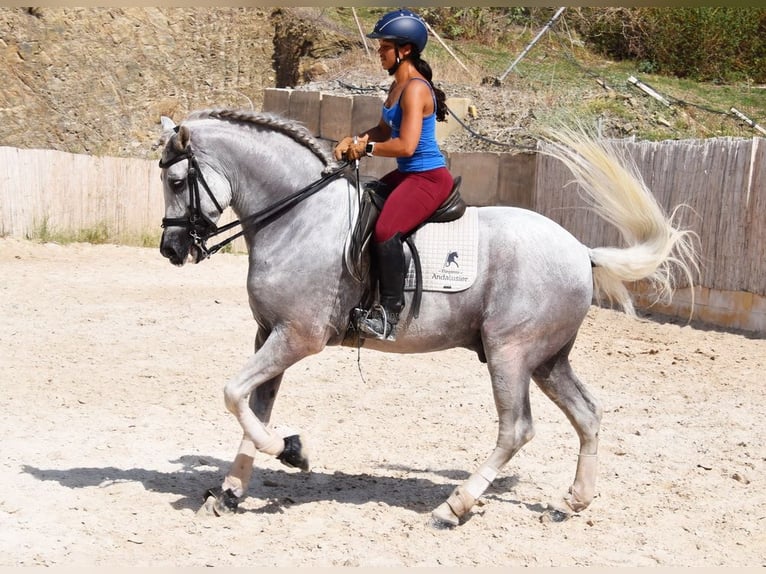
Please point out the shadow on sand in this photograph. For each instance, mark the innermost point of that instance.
(281, 488)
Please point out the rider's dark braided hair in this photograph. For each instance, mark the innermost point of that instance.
(424, 68)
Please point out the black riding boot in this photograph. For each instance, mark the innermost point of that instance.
(381, 321)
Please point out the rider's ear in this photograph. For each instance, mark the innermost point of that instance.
(183, 139)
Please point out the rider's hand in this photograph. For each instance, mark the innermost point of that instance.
(356, 148)
(342, 147)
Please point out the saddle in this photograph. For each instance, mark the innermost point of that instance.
(374, 194)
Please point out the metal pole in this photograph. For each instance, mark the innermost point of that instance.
(550, 23)
(361, 33)
(446, 47)
(649, 90)
(747, 120)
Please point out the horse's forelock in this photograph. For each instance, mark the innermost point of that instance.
(165, 137)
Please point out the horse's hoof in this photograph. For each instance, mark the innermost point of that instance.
(219, 502)
(294, 454)
(553, 514)
(574, 501)
(208, 508)
(444, 517)
(574, 505)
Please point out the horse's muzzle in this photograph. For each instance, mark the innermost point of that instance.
(176, 246)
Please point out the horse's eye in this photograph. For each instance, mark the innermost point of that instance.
(176, 184)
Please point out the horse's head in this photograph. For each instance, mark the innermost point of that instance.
(195, 196)
(221, 157)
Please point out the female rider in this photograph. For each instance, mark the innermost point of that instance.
(407, 132)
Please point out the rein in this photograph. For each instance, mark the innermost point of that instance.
(201, 228)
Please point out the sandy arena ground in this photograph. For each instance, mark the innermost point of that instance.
(112, 365)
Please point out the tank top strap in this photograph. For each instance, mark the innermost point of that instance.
(433, 95)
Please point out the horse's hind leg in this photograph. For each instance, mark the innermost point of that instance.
(560, 383)
(510, 386)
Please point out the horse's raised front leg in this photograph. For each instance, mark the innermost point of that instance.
(261, 403)
(250, 397)
(510, 386)
(559, 382)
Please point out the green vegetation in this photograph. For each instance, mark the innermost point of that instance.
(98, 234)
(673, 41)
(707, 44)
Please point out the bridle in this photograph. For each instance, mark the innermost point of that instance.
(201, 227)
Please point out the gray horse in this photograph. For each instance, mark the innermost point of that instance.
(535, 281)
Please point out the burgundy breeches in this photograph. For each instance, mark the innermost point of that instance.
(414, 198)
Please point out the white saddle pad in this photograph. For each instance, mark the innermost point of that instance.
(448, 254)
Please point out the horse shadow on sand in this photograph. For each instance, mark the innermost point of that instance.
(280, 489)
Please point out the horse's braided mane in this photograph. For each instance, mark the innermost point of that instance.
(291, 128)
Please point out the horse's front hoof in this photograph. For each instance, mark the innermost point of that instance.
(219, 502)
(449, 513)
(294, 454)
(444, 517)
(555, 514)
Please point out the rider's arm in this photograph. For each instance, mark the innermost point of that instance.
(379, 133)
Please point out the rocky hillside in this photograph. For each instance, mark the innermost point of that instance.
(97, 80)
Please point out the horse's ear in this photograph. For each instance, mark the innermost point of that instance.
(184, 138)
(168, 126)
(167, 123)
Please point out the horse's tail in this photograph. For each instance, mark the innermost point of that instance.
(615, 190)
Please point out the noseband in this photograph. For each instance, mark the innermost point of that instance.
(201, 227)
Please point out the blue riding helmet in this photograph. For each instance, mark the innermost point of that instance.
(403, 27)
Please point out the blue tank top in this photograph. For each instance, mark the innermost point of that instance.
(427, 155)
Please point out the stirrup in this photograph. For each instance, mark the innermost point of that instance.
(388, 333)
